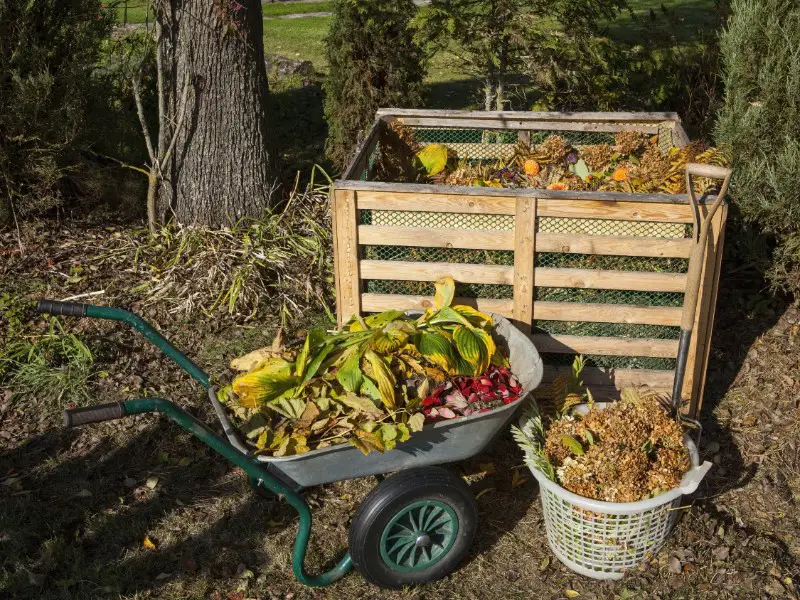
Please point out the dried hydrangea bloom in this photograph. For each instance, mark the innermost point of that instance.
(628, 142)
(554, 148)
(629, 451)
(597, 156)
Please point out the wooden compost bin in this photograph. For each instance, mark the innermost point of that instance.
(595, 273)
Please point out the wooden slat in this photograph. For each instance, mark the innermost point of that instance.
(524, 273)
(436, 237)
(599, 392)
(382, 302)
(612, 245)
(607, 313)
(359, 161)
(603, 209)
(699, 351)
(609, 346)
(446, 203)
(619, 378)
(420, 189)
(349, 281)
(655, 117)
(505, 205)
(610, 280)
(514, 124)
(400, 270)
(497, 239)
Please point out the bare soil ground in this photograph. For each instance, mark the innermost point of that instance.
(77, 506)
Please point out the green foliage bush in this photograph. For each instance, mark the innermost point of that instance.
(373, 62)
(47, 51)
(760, 124)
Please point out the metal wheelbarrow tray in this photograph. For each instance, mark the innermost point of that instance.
(414, 527)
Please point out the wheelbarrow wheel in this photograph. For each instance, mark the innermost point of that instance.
(414, 527)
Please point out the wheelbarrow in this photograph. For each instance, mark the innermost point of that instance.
(414, 527)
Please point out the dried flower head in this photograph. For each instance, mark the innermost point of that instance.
(628, 142)
(597, 156)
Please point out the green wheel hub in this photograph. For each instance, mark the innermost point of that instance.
(419, 535)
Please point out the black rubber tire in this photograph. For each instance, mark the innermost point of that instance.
(391, 496)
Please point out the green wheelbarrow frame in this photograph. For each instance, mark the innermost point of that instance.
(260, 474)
(437, 444)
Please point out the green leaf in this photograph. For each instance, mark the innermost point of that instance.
(580, 169)
(314, 365)
(447, 315)
(266, 383)
(474, 316)
(388, 432)
(384, 378)
(416, 422)
(572, 444)
(368, 388)
(445, 290)
(316, 337)
(589, 437)
(391, 337)
(471, 346)
(437, 349)
(432, 158)
(403, 431)
(349, 374)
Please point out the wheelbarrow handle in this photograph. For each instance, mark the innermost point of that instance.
(56, 307)
(74, 309)
(75, 417)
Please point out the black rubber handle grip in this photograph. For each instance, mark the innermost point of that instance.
(75, 417)
(54, 307)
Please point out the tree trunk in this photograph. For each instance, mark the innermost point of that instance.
(222, 167)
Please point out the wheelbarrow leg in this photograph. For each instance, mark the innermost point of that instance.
(257, 473)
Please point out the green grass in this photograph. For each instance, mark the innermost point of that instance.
(298, 38)
(277, 9)
(137, 9)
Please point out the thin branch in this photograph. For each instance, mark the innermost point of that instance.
(181, 117)
(14, 215)
(140, 110)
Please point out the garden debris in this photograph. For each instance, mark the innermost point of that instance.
(370, 385)
(634, 163)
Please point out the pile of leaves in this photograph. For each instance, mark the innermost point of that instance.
(628, 451)
(465, 396)
(635, 163)
(370, 384)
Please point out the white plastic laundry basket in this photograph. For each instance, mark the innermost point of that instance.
(603, 539)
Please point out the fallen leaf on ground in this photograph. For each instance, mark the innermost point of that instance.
(571, 593)
(149, 544)
(151, 483)
(674, 565)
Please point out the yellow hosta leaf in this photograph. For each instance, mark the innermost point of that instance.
(433, 158)
(391, 337)
(445, 290)
(271, 380)
(469, 345)
(383, 377)
(437, 349)
(253, 359)
(474, 316)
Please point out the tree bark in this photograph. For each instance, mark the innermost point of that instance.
(222, 168)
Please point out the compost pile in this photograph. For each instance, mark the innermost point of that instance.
(373, 384)
(628, 451)
(634, 163)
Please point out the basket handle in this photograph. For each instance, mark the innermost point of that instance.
(691, 481)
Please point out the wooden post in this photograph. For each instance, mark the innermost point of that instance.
(699, 352)
(348, 281)
(524, 244)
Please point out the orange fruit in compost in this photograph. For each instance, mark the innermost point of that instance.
(620, 174)
(556, 186)
(531, 168)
